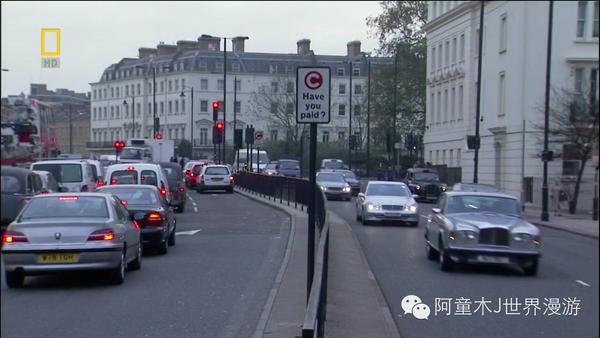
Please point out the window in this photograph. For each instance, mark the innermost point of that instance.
(356, 72)
(177, 85)
(503, 33)
(112, 92)
(579, 74)
(451, 162)
(596, 21)
(444, 156)
(219, 66)
(447, 54)
(454, 46)
(342, 88)
(203, 136)
(170, 85)
(460, 102)
(290, 87)
(433, 59)
(182, 83)
(138, 108)
(342, 109)
(139, 89)
(149, 87)
(126, 90)
(325, 136)
(439, 107)
(272, 69)
(162, 108)
(432, 109)
(453, 105)
(94, 97)
(203, 84)
(581, 14)
(357, 109)
(112, 113)
(219, 84)
(594, 85)
(274, 87)
(237, 107)
(340, 71)
(176, 107)
(273, 108)
(445, 105)
(170, 133)
(501, 94)
(170, 107)
(462, 47)
(149, 108)
(437, 157)
(357, 89)
(341, 135)
(273, 135)
(162, 86)
(439, 62)
(94, 114)
(202, 66)
(176, 133)
(126, 113)
(235, 67)
(204, 106)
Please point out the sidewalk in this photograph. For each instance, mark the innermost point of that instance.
(581, 224)
(355, 307)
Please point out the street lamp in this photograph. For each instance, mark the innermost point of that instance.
(192, 114)
(368, 110)
(545, 216)
(132, 114)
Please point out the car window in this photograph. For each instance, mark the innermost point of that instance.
(141, 196)
(63, 172)
(349, 174)
(95, 175)
(124, 177)
(423, 176)
(271, 166)
(37, 183)
(10, 184)
(333, 165)
(289, 165)
(149, 177)
(387, 190)
(330, 177)
(197, 169)
(122, 214)
(66, 206)
(51, 183)
(473, 203)
(172, 173)
(216, 171)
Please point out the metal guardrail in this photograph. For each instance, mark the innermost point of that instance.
(297, 191)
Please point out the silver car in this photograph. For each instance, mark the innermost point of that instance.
(215, 177)
(484, 228)
(71, 231)
(387, 201)
(334, 185)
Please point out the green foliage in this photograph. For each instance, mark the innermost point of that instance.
(184, 149)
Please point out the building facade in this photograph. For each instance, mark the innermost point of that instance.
(264, 92)
(512, 87)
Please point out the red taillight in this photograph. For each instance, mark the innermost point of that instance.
(100, 183)
(10, 236)
(181, 188)
(84, 188)
(130, 168)
(102, 235)
(154, 218)
(163, 191)
(124, 203)
(68, 198)
(230, 179)
(44, 192)
(114, 181)
(192, 174)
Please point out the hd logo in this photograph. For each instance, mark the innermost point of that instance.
(50, 47)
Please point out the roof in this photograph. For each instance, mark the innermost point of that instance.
(14, 171)
(78, 194)
(386, 182)
(61, 162)
(128, 186)
(479, 193)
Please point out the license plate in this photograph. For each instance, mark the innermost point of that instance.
(216, 179)
(392, 214)
(492, 259)
(58, 258)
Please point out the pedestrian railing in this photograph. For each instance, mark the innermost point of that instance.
(296, 192)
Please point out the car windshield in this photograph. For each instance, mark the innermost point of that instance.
(133, 196)
(349, 175)
(327, 177)
(271, 166)
(63, 172)
(478, 204)
(173, 174)
(11, 184)
(289, 165)
(124, 177)
(423, 176)
(333, 165)
(131, 154)
(262, 158)
(66, 206)
(387, 190)
(216, 171)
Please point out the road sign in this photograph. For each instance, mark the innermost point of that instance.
(258, 136)
(313, 94)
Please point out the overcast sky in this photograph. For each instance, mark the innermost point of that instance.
(97, 34)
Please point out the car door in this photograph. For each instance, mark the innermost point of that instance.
(132, 232)
(438, 222)
(122, 225)
(170, 214)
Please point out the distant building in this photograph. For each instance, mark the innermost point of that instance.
(512, 94)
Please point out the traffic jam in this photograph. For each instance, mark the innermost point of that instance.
(64, 214)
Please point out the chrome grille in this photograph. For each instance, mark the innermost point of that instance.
(432, 190)
(392, 207)
(334, 189)
(494, 236)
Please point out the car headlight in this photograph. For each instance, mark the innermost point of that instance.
(443, 187)
(411, 208)
(522, 238)
(346, 188)
(373, 207)
(467, 235)
(323, 188)
(418, 187)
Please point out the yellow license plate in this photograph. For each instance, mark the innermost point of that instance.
(58, 258)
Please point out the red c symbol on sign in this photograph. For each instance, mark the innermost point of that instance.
(313, 80)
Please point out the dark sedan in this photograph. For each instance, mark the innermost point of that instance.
(425, 183)
(152, 212)
(176, 185)
(18, 186)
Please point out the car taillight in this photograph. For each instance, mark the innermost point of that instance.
(192, 174)
(114, 181)
(230, 179)
(84, 188)
(44, 192)
(154, 218)
(181, 188)
(163, 191)
(68, 198)
(100, 183)
(10, 236)
(102, 235)
(187, 172)
(124, 203)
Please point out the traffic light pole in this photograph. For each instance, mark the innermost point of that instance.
(349, 121)
(312, 164)
(70, 129)
(478, 108)
(154, 101)
(368, 113)
(544, 216)
(224, 95)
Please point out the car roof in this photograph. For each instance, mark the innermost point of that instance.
(472, 187)
(78, 194)
(15, 171)
(79, 161)
(479, 193)
(385, 182)
(118, 166)
(129, 186)
(216, 165)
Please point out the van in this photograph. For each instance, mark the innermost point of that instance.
(139, 173)
(261, 157)
(74, 175)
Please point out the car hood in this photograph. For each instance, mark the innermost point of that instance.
(329, 184)
(484, 220)
(389, 200)
(352, 181)
(427, 182)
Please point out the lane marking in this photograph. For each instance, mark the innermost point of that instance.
(195, 209)
(582, 283)
(190, 198)
(188, 233)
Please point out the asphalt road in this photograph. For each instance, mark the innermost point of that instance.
(397, 257)
(213, 283)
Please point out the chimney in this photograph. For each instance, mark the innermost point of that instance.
(303, 46)
(353, 48)
(164, 49)
(145, 52)
(186, 45)
(238, 44)
(210, 43)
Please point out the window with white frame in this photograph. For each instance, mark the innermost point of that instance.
(451, 162)
(219, 67)
(202, 66)
(501, 94)
(581, 18)
(432, 109)
(237, 107)
(460, 102)
(238, 85)
(439, 107)
(176, 107)
(162, 108)
(182, 106)
(340, 71)
(126, 112)
(162, 86)
(503, 33)
(439, 62)
(453, 105)
(112, 112)
(433, 58)
(273, 135)
(579, 78)
(126, 90)
(235, 67)
(203, 84)
(325, 137)
(357, 89)
(177, 85)
(341, 109)
(137, 109)
(342, 88)
(444, 156)
(356, 72)
(203, 136)
(139, 89)
(454, 46)
(447, 56)
(149, 111)
(170, 103)
(204, 106)
(274, 86)
(170, 86)
(446, 105)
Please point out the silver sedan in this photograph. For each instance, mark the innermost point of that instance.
(71, 231)
(387, 201)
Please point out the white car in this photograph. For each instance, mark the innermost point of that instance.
(74, 175)
(387, 201)
(215, 177)
(139, 173)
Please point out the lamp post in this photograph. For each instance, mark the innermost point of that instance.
(70, 129)
(478, 107)
(544, 216)
(192, 114)
(394, 110)
(368, 111)
(132, 114)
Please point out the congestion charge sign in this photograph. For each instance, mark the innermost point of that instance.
(313, 94)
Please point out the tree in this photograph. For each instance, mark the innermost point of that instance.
(184, 149)
(574, 122)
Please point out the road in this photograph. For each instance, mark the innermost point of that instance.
(213, 283)
(396, 255)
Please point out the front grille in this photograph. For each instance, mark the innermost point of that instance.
(494, 236)
(392, 207)
(432, 190)
(334, 189)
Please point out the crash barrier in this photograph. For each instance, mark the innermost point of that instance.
(296, 192)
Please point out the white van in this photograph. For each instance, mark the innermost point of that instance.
(75, 175)
(262, 157)
(139, 173)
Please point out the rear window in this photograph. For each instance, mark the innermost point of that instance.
(333, 165)
(289, 165)
(172, 173)
(149, 177)
(197, 168)
(65, 206)
(216, 171)
(141, 196)
(94, 172)
(63, 172)
(11, 184)
(123, 177)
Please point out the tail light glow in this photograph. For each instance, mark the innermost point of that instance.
(154, 218)
(114, 181)
(10, 236)
(230, 179)
(102, 235)
(130, 168)
(181, 188)
(163, 191)
(536, 240)
(68, 198)
(100, 183)
(124, 203)
(452, 236)
(45, 192)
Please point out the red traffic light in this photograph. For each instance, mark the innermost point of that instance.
(215, 104)
(219, 125)
(158, 136)
(119, 144)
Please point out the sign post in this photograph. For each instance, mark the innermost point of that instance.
(313, 97)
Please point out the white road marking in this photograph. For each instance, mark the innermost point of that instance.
(190, 198)
(213, 194)
(195, 209)
(582, 282)
(188, 233)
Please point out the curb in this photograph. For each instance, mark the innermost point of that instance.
(266, 312)
(387, 313)
(565, 230)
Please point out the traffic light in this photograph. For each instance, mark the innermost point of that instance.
(472, 142)
(215, 106)
(238, 138)
(218, 132)
(158, 136)
(119, 145)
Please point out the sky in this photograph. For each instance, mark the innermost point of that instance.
(96, 34)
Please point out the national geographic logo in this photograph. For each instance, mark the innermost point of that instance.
(50, 48)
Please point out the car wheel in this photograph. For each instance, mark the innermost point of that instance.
(414, 224)
(171, 241)
(445, 263)
(117, 275)
(431, 253)
(364, 220)
(531, 270)
(162, 247)
(15, 279)
(136, 264)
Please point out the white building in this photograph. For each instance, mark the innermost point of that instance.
(513, 87)
(199, 64)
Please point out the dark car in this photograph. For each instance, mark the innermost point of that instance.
(152, 213)
(425, 183)
(49, 183)
(350, 178)
(289, 168)
(176, 185)
(18, 185)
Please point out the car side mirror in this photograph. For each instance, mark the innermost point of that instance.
(361, 195)
(436, 210)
